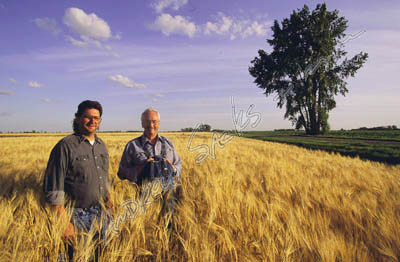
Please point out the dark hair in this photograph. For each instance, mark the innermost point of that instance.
(87, 104)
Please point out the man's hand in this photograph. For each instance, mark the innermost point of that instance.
(108, 202)
(69, 233)
(140, 168)
(173, 166)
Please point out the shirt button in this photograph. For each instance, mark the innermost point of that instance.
(98, 167)
(95, 157)
(100, 177)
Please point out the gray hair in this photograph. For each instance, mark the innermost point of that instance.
(148, 110)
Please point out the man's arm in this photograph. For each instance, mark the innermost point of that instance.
(53, 185)
(176, 160)
(127, 169)
(69, 232)
(177, 163)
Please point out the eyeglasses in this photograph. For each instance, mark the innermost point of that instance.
(151, 121)
(92, 118)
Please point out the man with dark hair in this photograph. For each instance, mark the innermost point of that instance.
(87, 104)
(149, 147)
(77, 170)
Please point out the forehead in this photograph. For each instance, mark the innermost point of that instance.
(151, 116)
(91, 112)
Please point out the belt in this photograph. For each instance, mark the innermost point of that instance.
(96, 206)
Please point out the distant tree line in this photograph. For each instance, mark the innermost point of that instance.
(201, 128)
(283, 130)
(207, 128)
(393, 127)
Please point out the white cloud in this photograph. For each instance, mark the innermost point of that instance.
(47, 24)
(46, 100)
(249, 30)
(236, 27)
(12, 80)
(125, 82)
(91, 29)
(156, 97)
(221, 27)
(116, 55)
(168, 25)
(86, 25)
(118, 35)
(35, 84)
(76, 42)
(97, 43)
(86, 41)
(254, 29)
(6, 92)
(160, 5)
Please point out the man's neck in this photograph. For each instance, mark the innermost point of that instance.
(90, 137)
(152, 139)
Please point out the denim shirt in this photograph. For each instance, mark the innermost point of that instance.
(137, 151)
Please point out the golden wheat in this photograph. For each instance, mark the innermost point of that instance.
(258, 201)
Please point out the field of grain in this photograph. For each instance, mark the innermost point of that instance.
(257, 201)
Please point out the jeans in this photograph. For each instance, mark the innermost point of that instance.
(170, 200)
(83, 219)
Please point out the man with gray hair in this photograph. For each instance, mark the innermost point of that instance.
(148, 147)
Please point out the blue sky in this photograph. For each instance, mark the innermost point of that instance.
(185, 58)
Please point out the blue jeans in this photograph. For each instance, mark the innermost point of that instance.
(83, 219)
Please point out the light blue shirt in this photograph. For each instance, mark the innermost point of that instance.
(137, 151)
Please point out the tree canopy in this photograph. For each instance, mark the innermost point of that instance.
(306, 68)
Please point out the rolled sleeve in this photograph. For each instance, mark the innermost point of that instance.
(55, 197)
(108, 185)
(173, 156)
(127, 169)
(176, 161)
(53, 184)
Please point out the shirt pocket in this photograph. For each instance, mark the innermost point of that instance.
(170, 153)
(139, 158)
(80, 167)
(104, 161)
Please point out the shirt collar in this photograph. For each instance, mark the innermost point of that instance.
(144, 139)
(82, 138)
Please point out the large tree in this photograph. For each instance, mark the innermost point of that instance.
(306, 68)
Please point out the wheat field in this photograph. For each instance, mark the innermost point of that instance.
(257, 201)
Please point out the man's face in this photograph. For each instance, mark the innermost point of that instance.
(89, 122)
(151, 124)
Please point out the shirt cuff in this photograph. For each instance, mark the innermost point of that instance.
(108, 186)
(129, 173)
(55, 197)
